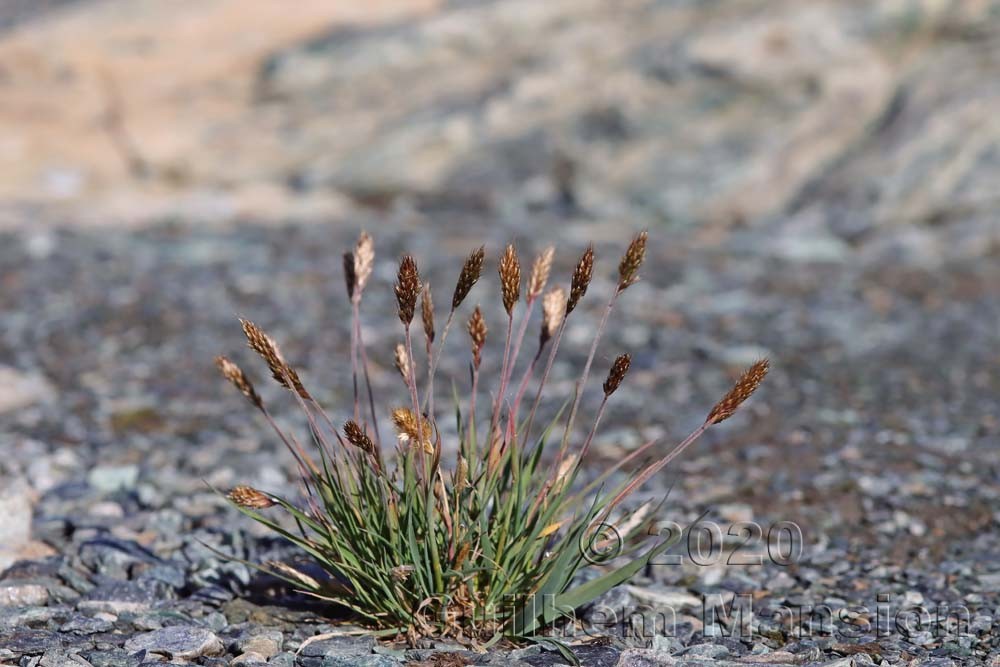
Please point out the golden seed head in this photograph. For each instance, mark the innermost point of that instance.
(582, 274)
(251, 498)
(402, 361)
(628, 268)
(238, 378)
(477, 332)
(510, 278)
(357, 437)
(407, 288)
(406, 428)
(427, 312)
(540, 272)
(471, 270)
(553, 312)
(265, 346)
(617, 373)
(741, 391)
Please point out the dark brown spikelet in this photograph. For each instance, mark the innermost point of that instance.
(628, 268)
(619, 369)
(510, 278)
(477, 332)
(582, 274)
(251, 498)
(238, 378)
(357, 437)
(741, 391)
(350, 277)
(407, 288)
(427, 312)
(471, 270)
(265, 346)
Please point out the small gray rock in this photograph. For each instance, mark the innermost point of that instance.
(23, 595)
(266, 643)
(112, 478)
(177, 642)
(339, 646)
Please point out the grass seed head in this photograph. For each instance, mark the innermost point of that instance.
(510, 278)
(269, 351)
(402, 361)
(357, 437)
(407, 288)
(617, 373)
(540, 273)
(471, 270)
(477, 332)
(427, 312)
(406, 428)
(364, 260)
(553, 312)
(628, 268)
(582, 274)
(238, 378)
(745, 386)
(350, 277)
(251, 498)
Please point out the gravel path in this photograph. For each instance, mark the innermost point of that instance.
(876, 435)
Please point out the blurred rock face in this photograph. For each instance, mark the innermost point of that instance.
(834, 117)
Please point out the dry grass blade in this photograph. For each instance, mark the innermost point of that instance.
(250, 498)
(471, 271)
(540, 272)
(407, 288)
(238, 378)
(477, 332)
(581, 279)
(617, 373)
(628, 268)
(427, 312)
(745, 386)
(553, 312)
(510, 278)
(265, 346)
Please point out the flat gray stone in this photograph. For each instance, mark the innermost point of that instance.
(177, 642)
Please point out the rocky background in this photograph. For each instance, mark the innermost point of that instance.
(820, 185)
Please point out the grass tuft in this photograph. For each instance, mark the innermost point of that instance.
(486, 546)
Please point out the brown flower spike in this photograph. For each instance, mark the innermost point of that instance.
(581, 279)
(471, 270)
(235, 374)
(265, 346)
(510, 278)
(251, 498)
(741, 391)
(427, 312)
(357, 437)
(477, 332)
(628, 268)
(617, 373)
(407, 288)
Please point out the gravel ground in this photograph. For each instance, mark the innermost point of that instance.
(876, 435)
